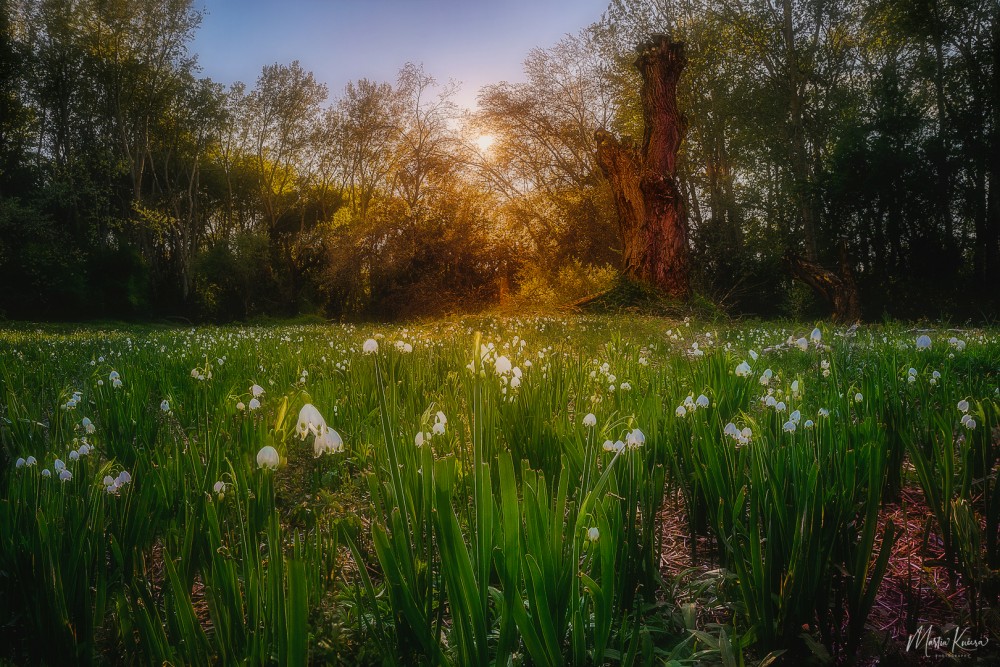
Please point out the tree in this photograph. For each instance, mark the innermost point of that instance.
(651, 213)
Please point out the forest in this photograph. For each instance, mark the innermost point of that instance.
(859, 134)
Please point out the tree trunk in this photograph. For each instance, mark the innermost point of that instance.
(651, 215)
(839, 290)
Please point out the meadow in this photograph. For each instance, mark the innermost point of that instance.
(534, 491)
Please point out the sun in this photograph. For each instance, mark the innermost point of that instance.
(484, 141)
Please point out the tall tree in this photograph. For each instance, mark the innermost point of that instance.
(651, 212)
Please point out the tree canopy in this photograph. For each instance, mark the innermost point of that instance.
(858, 135)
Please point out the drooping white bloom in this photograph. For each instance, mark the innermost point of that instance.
(59, 466)
(515, 382)
(310, 421)
(256, 390)
(912, 372)
(795, 416)
(731, 430)
(502, 365)
(635, 438)
(789, 427)
(20, 463)
(46, 473)
(753, 355)
(165, 405)
(593, 534)
(795, 387)
(823, 412)
(438, 428)
(608, 446)
(330, 441)
(65, 475)
(743, 369)
(123, 478)
(802, 344)
(703, 401)
(114, 376)
(30, 461)
(590, 420)
(370, 346)
(780, 406)
(923, 342)
(963, 405)
(108, 480)
(680, 411)
(253, 404)
(770, 401)
(241, 406)
(267, 457)
(816, 336)
(809, 423)
(74, 455)
(858, 397)
(219, 487)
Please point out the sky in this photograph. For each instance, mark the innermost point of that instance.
(475, 42)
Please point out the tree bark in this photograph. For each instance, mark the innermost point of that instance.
(651, 215)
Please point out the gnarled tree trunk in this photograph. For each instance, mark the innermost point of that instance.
(651, 214)
(839, 290)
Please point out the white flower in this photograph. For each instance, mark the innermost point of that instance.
(267, 457)
(795, 416)
(65, 475)
(30, 461)
(219, 487)
(46, 473)
(117, 383)
(370, 346)
(256, 390)
(74, 455)
(731, 430)
(802, 344)
(703, 401)
(970, 424)
(963, 405)
(795, 387)
(108, 480)
(858, 397)
(816, 336)
(240, 406)
(438, 428)
(923, 342)
(329, 441)
(809, 423)
(310, 421)
(912, 372)
(789, 427)
(753, 355)
(113, 376)
(20, 463)
(608, 446)
(743, 369)
(590, 420)
(823, 412)
(780, 406)
(770, 401)
(593, 534)
(635, 438)
(680, 411)
(59, 465)
(165, 405)
(254, 404)
(515, 382)
(123, 478)
(502, 365)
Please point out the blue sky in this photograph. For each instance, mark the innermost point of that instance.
(476, 42)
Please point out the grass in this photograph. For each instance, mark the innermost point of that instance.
(516, 529)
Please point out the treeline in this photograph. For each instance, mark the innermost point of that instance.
(130, 186)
